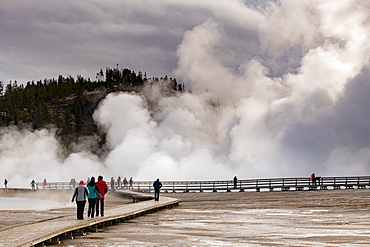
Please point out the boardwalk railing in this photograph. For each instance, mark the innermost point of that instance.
(284, 184)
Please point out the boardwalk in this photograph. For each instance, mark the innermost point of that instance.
(267, 184)
(52, 231)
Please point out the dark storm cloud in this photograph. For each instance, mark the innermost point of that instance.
(42, 39)
(344, 125)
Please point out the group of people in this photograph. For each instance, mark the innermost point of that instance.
(95, 194)
(122, 184)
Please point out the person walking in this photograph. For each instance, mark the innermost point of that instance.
(119, 184)
(44, 183)
(6, 183)
(33, 184)
(313, 178)
(125, 183)
(235, 182)
(102, 187)
(112, 183)
(157, 186)
(131, 182)
(91, 197)
(80, 195)
(71, 182)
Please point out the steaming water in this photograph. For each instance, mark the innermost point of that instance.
(295, 218)
(278, 90)
(17, 203)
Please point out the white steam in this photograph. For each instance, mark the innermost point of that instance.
(276, 91)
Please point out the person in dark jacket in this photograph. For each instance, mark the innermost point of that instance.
(33, 184)
(102, 189)
(125, 183)
(119, 184)
(93, 192)
(80, 195)
(157, 186)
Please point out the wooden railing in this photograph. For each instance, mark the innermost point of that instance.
(284, 184)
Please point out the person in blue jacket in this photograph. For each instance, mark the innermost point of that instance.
(157, 186)
(80, 196)
(93, 191)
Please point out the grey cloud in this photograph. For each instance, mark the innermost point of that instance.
(42, 39)
(344, 125)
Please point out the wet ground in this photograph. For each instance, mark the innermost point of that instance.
(292, 218)
(19, 207)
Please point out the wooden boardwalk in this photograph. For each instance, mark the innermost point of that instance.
(267, 184)
(53, 230)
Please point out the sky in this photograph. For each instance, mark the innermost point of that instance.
(278, 88)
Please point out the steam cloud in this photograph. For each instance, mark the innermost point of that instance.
(277, 90)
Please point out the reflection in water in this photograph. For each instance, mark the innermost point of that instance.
(18, 203)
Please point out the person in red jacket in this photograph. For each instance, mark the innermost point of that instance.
(102, 187)
(313, 178)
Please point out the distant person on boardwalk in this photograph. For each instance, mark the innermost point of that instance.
(125, 183)
(6, 183)
(313, 178)
(93, 192)
(102, 189)
(44, 183)
(112, 183)
(71, 183)
(119, 185)
(80, 195)
(235, 182)
(33, 184)
(157, 186)
(131, 182)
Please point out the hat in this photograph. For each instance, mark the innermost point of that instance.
(92, 179)
(82, 182)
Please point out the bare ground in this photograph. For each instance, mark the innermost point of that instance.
(292, 218)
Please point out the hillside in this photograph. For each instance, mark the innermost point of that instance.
(67, 104)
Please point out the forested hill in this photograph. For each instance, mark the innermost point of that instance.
(68, 103)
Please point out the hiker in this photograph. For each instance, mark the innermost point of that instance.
(125, 183)
(6, 183)
(80, 195)
(93, 192)
(112, 183)
(131, 182)
(119, 184)
(235, 182)
(44, 183)
(102, 189)
(157, 186)
(71, 183)
(33, 183)
(313, 178)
